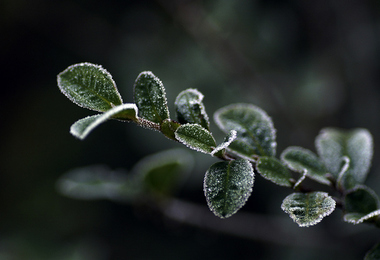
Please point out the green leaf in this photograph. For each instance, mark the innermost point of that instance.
(168, 128)
(299, 159)
(89, 86)
(195, 137)
(84, 126)
(374, 253)
(227, 141)
(162, 173)
(227, 186)
(361, 204)
(272, 169)
(308, 209)
(256, 135)
(190, 109)
(150, 98)
(357, 145)
(97, 182)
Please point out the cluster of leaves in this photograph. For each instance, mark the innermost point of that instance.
(342, 161)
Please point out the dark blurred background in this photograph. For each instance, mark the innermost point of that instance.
(309, 64)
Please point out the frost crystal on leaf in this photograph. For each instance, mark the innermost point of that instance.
(190, 108)
(84, 126)
(89, 86)
(255, 131)
(150, 97)
(308, 209)
(227, 186)
(195, 137)
(227, 141)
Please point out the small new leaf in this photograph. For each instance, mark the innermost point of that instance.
(227, 141)
(357, 145)
(84, 126)
(195, 137)
(227, 186)
(272, 169)
(150, 98)
(190, 109)
(256, 135)
(89, 86)
(307, 209)
(299, 160)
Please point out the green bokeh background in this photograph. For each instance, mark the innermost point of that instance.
(309, 64)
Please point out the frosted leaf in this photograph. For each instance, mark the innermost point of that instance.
(374, 253)
(227, 186)
(195, 137)
(150, 98)
(361, 199)
(255, 131)
(272, 169)
(308, 209)
(300, 160)
(357, 144)
(190, 109)
(301, 179)
(89, 86)
(227, 141)
(358, 218)
(161, 173)
(84, 126)
(97, 182)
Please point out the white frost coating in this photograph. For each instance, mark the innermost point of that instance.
(83, 127)
(262, 116)
(84, 64)
(191, 141)
(156, 98)
(362, 219)
(344, 169)
(229, 139)
(296, 209)
(301, 179)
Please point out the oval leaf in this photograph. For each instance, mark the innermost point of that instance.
(227, 186)
(307, 209)
(190, 109)
(272, 169)
(195, 137)
(84, 126)
(89, 86)
(150, 97)
(299, 159)
(162, 172)
(97, 182)
(361, 204)
(255, 132)
(357, 145)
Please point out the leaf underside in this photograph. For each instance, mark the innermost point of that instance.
(227, 186)
(307, 209)
(84, 126)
